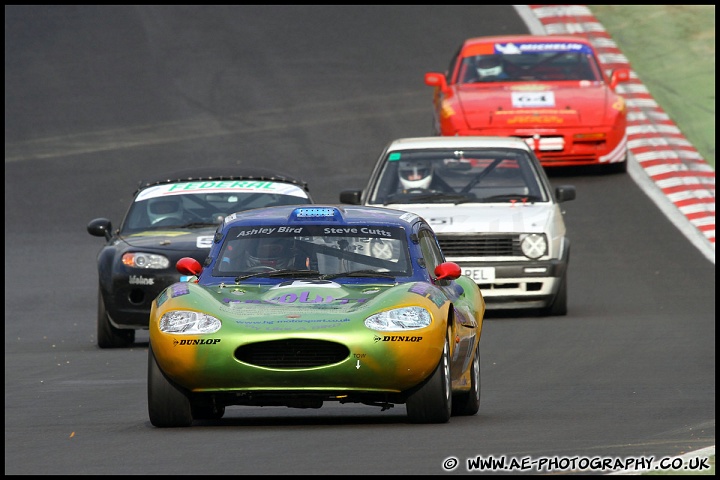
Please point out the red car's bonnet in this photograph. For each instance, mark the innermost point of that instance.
(583, 104)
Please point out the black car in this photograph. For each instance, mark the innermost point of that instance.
(172, 216)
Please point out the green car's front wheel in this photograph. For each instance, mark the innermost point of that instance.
(167, 406)
(432, 403)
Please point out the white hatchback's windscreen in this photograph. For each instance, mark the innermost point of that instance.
(458, 176)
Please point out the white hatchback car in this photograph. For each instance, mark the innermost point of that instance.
(492, 207)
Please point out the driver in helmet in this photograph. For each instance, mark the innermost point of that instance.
(271, 253)
(490, 67)
(163, 208)
(415, 175)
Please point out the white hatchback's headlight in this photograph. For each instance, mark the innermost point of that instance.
(407, 318)
(189, 323)
(534, 245)
(145, 260)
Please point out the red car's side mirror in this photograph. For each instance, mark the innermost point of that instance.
(435, 79)
(619, 75)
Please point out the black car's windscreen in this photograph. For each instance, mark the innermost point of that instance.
(198, 209)
(458, 176)
(327, 249)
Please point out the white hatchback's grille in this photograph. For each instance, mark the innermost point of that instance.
(493, 245)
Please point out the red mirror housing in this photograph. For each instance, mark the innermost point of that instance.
(437, 80)
(188, 266)
(448, 271)
(619, 75)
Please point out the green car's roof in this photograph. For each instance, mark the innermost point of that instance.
(325, 214)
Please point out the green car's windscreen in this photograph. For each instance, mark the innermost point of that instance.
(327, 249)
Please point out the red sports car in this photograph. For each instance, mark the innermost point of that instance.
(549, 90)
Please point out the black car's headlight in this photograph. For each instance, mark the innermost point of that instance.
(145, 260)
(406, 318)
(188, 322)
(534, 245)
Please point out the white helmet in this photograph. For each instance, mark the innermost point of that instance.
(415, 174)
(159, 209)
(489, 66)
(270, 252)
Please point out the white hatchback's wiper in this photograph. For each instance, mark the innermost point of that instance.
(438, 197)
(506, 197)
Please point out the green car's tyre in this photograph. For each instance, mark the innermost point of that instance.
(167, 405)
(432, 403)
(469, 403)
(107, 335)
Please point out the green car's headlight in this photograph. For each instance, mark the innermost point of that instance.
(188, 323)
(407, 318)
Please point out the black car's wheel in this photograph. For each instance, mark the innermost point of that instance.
(432, 403)
(559, 305)
(107, 335)
(167, 405)
(469, 403)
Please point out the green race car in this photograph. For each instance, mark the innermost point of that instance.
(299, 305)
